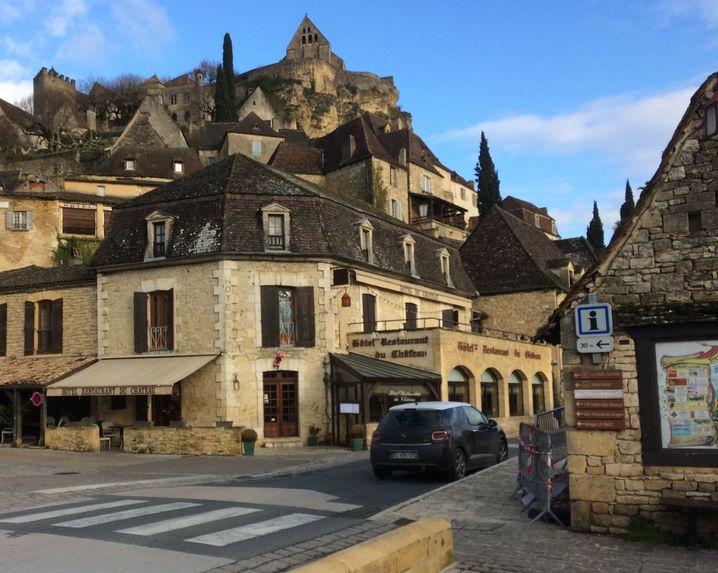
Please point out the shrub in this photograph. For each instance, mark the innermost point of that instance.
(249, 435)
(357, 431)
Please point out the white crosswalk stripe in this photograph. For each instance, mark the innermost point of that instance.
(228, 536)
(71, 511)
(127, 514)
(187, 521)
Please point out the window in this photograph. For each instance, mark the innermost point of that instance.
(185, 97)
(445, 265)
(287, 316)
(537, 221)
(368, 303)
(256, 148)
(173, 99)
(129, 164)
(160, 239)
(18, 220)
(410, 311)
(78, 221)
(695, 223)
(3, 329)
(178, 167)
(159, 232)
(101, 190)
(276, 232)
(712, 119)
(275, 221)
(43, 327)
(408, 242)
(392, 176)
(462, 191)
(516, 394)
(490, 393)
(537, 393)
(459, 386)
(426, 184)
(395, 209)
(211, 159)
(186, 117)
(449, 318)
(366, 239)
(154, 320)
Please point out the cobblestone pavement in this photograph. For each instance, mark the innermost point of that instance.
(492, 535)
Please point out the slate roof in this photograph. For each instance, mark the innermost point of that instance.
(252, 124)
(34, 277)
(579, 250)
(217, 213)
(297, 158)
(334, 145)
(39, 371)
(19, 117)
(374, 370)
(513, 203)
(211, 135)
(417, 151)
(150, 162)
(503, 255)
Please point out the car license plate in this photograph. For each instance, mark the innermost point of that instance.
(403, 455)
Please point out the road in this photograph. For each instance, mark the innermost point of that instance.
(181, 523)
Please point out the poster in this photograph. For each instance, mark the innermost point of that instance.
(687, 392)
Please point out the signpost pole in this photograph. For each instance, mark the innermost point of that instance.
(595, 357)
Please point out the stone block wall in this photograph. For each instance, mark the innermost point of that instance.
(520, 312)
(183, 441)
(73, 439)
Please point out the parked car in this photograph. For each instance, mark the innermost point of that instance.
(451, 437)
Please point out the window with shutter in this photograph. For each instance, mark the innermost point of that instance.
(160, 335)
(3, 329)
(369, 312)
(140, 321)
(29, 328)
(56, 327)
(76, 221)
(305, 317)
(287, 316)
(270, 316)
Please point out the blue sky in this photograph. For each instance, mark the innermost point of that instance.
(574, 97)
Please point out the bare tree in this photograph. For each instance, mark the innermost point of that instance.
(25, 104)
(208, 69)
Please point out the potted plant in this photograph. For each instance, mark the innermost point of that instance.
(249, 437)
(357, 434)
(313, 438)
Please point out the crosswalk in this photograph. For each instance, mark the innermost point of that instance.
(200, 522)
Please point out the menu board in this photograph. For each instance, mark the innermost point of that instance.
(687, 390)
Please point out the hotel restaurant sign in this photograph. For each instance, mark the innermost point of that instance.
(111, 391)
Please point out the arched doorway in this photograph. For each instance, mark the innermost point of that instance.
(516, 393)
(490, 392)
(459, 385)
(538, 392)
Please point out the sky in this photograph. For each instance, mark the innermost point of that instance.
(575, 97)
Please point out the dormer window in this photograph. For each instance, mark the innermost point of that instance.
(256, 148)
(426, 184)
(407, 244)
(178, 167)
(444, 262)
(275, 222)
(130, 165)
(159, 231)
(366, 239)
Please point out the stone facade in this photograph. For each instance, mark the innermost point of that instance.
(244, 143)
(73, 438)
(520, 312)
(659, 273)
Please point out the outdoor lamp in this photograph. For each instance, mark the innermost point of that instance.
(235, 382)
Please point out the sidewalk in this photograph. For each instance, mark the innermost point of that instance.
(492, 535)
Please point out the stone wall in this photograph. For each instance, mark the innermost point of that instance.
(34, 246)
(73, 439)
(183, 441)
(520, 312)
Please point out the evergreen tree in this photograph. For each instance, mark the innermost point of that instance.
(487, 180)
(628, 205)
(594, 232)
(220, 96)
(228, 68)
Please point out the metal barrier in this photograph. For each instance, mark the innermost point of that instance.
(540, 459)
(553, 422)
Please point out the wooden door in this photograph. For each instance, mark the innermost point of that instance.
(280, 405)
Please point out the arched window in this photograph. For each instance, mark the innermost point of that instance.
(458, 386)
(490, 393)
(516, 394)
(538, 395)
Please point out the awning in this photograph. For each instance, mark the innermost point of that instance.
(374, 370)
(141, 376)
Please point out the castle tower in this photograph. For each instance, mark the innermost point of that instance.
(309, 43)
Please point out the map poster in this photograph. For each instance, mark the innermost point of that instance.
(687, 390)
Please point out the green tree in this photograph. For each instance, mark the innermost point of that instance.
(594, 231)
(487, 180)
(628, 205)
(220, 96)
(229, 85)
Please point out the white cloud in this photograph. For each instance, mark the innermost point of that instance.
(11, 10)
(146, 24)
(10, 70)
(704, 10)
(64, 15)
(13, 91)
(628, 131)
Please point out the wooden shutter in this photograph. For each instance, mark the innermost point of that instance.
(78, 221)
(369, 312)
(28, 220)
(270, 316)
(140, 313)
(305, 316)
(3, 329)
(29, 328)
(170, 309)
(9, 220)
(449, 318)
(56, 326)
(107, 220)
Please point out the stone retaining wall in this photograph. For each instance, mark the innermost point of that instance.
(73, 438)
(169, 440)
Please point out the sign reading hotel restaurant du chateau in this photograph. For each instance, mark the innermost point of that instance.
(111, 391)
(384, 342)
(486, 349)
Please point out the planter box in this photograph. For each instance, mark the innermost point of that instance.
(312, 440)
(223, 424)
(357, 444)
(248, 448)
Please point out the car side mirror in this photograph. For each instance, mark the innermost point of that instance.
(493, 424)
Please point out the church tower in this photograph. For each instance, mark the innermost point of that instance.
(308, 43)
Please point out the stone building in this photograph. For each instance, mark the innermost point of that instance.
(20, 132)
(531, 214)
(656, 439)
(58, 105)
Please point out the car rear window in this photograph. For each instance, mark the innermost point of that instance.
(405, 419)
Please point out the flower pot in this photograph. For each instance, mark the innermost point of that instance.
(357, 444)
(312, 440)
(248, 448)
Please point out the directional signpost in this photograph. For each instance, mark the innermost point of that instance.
(598, 396)
(594, 327)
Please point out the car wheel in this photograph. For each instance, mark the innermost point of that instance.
(502, 453)
(458, 467)
(382, 473)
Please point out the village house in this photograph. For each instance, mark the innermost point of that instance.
(642, 418)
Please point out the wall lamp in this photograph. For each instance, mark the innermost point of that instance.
(235, 382)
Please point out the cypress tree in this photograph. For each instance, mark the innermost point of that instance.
(628, 205)
(220, 96)
(228, 67)
(487, 180)
(594, 231)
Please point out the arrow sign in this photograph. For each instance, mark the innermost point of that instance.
(593, 344)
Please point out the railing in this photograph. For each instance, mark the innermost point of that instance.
(275, 241)
(158, 337)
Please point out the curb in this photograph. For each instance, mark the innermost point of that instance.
(425, 546)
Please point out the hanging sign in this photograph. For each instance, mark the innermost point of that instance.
(36, 398)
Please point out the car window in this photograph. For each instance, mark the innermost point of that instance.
(411, 419)
(474, 416)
